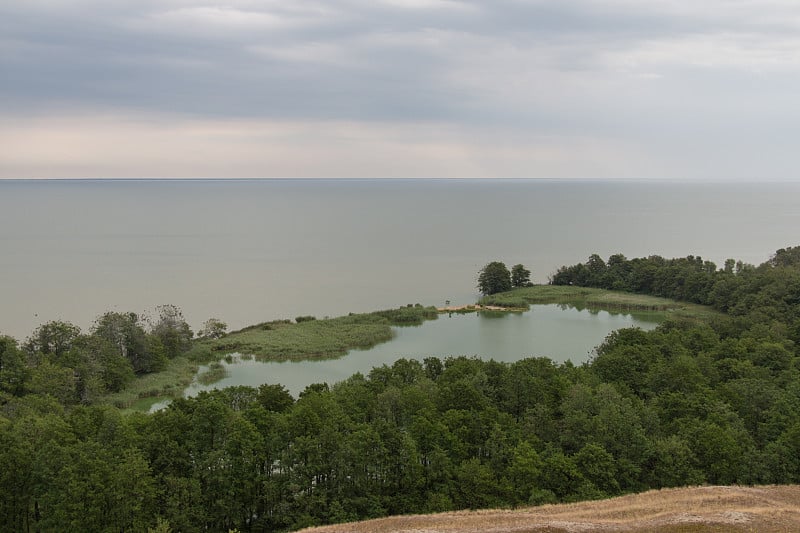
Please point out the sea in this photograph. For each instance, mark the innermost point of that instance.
(249, 251)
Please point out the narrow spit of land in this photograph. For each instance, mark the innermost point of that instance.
(587, 297)
(476, 307)
(767, 509)
(518, 300)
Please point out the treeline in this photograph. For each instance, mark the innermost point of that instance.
(75, 367)
(772, 288)
(661, 409)
(688, 403)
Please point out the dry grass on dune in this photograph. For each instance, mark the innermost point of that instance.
(699, 509)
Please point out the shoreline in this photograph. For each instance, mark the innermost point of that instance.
(363, 330)
(470, 308)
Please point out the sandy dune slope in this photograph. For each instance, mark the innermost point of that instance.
(723, 509)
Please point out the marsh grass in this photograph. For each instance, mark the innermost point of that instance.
(463, 310)
(150, 388)
(313, 339)
(585, 297)
(144, 404)
(278, 340)
(216, 372)
(505, 299)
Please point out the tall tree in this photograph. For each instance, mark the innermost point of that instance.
(124, 331)
(520, 276)
(53, 339)
(13, 371)
(213, 328)
(494, 278)
(172, 330)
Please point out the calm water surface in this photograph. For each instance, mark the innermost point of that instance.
(559, 332)
(258, 250)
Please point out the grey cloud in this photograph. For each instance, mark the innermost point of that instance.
(561, 66)
(81, 58)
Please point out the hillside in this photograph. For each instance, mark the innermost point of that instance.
(762, 509)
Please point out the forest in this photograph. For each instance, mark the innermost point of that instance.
(694, 401)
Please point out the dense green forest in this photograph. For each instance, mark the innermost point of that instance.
(694, 401)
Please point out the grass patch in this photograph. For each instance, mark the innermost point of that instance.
(155, 387)
(586, 297)
(505, 299)
(410, 315)
(143, 405)
(216, 372)
(463, 310)
(313, 339)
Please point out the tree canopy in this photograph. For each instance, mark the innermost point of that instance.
(494, 278)
(520, 276)
(712, 401)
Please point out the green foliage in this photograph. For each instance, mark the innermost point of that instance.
(168, 383)
(475, 486)
(56, 381)
(327, 338)
(520, 276)
(786, 257)
(494, 278)
(162, 526)
(172, 330)
(13, 370)
(505, 299)
(52, 340)
(689, 279)
(215, 372)
(714, 399)
(213, 328)
(125, 332)
(410, 315)
(274, 398)
(595, 298)
(438, 435)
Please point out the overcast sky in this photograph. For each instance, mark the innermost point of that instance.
(681, 89)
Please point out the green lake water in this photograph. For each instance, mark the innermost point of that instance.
(556, 331)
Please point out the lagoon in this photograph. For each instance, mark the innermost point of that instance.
(557, 331)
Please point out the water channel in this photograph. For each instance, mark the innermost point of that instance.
(559, 332)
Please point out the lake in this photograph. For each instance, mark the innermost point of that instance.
(250, 251)
(559, 332)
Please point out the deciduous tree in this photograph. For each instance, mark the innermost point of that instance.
(494, 278)
(172, 330)
(125, 332)
(213, 328)
(520, 276)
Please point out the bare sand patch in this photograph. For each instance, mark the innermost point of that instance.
(764, 509)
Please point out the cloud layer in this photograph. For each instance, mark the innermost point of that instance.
(606, 88)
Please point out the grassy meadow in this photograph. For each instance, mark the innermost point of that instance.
(309, 338)
(586, 297)
(148, 389)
